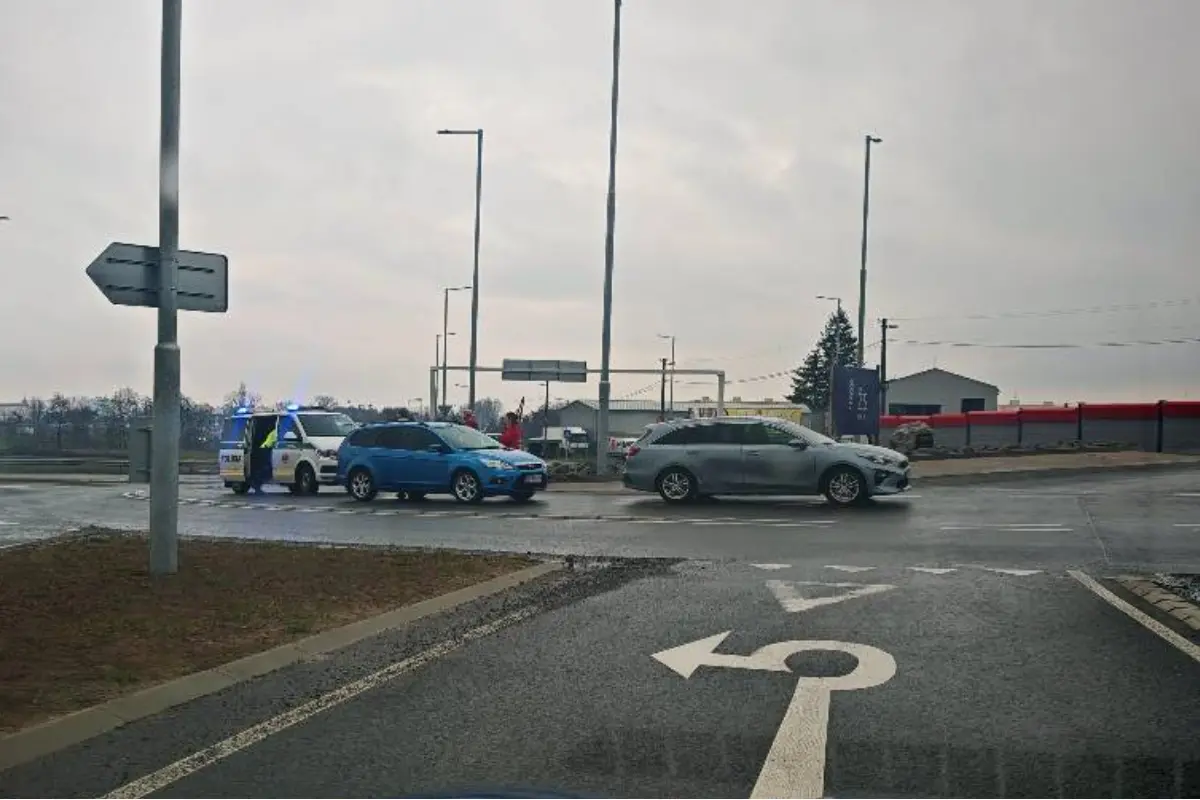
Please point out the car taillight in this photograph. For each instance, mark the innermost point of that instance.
(632, 451)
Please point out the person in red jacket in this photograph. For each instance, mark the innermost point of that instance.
(510, 437)
(469, 419)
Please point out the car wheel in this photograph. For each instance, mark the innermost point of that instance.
(522, 497)
(240, 488)
(306, 480)
(845, 486)
(677, 485)
(465, 487)
(361, 485)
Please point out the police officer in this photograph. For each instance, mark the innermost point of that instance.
(263, 466)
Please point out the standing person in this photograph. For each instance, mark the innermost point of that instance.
(262, 468)
(510, 437)
(469, 419)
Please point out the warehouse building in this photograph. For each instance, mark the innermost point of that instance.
(939, 391)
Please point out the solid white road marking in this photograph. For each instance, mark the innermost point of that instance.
(934, 570)
(845, 568)
(1145, 620)
(172, 773)
(771, 566)
(19, 486)
(1040, 530)
(789, 596)
(5, 522)
(1188, 494)
(1187, 524)
(1020, 573)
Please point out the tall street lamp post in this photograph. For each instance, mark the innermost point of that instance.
(605, 389)
(862, 272)
(671, 337)
(478, 134)
(446, 333)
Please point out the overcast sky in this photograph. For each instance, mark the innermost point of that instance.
(1037, 156)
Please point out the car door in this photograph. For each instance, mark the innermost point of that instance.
(713, 453)
(772, 464)
(391, 458)
(428, 468)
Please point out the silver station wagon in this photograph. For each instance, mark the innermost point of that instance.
(687, 459)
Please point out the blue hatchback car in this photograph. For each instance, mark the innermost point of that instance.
(420, 458)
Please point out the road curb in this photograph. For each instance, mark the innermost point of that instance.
(1165, 601)
(1052, 472)
(57, 734)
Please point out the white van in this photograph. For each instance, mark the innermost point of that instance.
(304, 456)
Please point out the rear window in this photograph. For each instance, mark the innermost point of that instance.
(364, 437)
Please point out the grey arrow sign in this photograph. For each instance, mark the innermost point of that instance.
(127, 274)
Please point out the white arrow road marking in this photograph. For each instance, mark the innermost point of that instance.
(844, 568)
(934, 570)
(795, 765)
(788, 593)
(771, 566)
(1009, 571)
(156, 781)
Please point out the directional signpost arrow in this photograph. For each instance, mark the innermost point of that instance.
(127, 274)
(795, 765)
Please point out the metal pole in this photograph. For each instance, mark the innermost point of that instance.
(609, 233)
(720, 394)
(837, 357)
(885, 326)
(164, 465)
(546, 421)
(862, 273)
(672, 374)
(662, 392)
(433, 387)
(475, 270)
(446, 339)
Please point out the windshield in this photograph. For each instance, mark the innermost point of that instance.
(326, 424)
(460, 437)
(802, 432)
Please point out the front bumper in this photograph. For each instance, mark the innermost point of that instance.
(511, 482)
(887, 481)
(327, 472)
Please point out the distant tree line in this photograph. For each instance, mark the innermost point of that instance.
(65, 424)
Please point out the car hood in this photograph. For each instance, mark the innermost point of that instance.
(509, 456)
(872, 450)
(326, 442)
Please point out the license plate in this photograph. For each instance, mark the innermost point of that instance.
(534, 479)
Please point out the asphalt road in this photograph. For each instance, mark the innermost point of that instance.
(992, 665)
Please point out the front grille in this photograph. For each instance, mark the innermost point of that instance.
(529, 467)
(329, 469)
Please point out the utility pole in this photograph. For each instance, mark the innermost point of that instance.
(884, 327)
(671, 336)
(164, 459)
(546, 420)
(605, 389)
(662, 392)
(862, 273)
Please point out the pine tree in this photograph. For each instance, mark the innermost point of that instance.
(810, 381)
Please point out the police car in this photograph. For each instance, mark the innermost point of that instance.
(304, 455)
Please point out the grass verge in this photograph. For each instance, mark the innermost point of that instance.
(84, 622)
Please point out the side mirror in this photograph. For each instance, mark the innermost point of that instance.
(798, 444)
(291, 436)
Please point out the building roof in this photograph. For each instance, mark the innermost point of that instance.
(633, 405)
(946, 372)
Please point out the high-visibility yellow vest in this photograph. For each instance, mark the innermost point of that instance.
(272, 437)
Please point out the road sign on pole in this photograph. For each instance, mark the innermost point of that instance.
(128, 275)
(541, 371)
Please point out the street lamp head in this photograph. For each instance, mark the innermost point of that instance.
(873, 139)
(460, 132)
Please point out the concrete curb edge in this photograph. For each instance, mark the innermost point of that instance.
(1165, 601)
(56, 734)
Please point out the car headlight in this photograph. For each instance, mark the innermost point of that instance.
(883, 461)
(495, 463)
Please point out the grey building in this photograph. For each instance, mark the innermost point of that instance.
(625, 417)
(939, 391)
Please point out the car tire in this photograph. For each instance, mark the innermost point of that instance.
(466, 487)
(306, 480)
(522, 497)
(844, 487)
(361, 485)
(239, 488)
(677, 485)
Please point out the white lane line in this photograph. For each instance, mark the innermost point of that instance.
(156, 781)
(1020, 573)
(1187, 524)
(934, 570)
(771, 566)
(1040, 530)
(1180, 494)
(20, 486)
(5, 522)
(1145, 620)
(845, 568)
